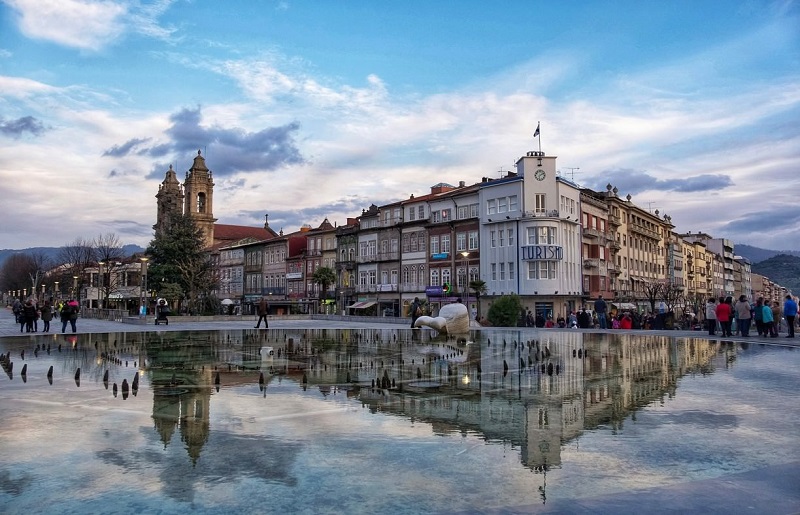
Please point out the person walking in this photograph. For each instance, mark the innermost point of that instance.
(743, 316)
(47, 316)
(790, 313)
(69, 315)
(723, 312)
(776, 318)
(263, 309)
(711, 316)
(415, 310)
(29, 314)
(601, 309)
(162, 311)
(758, 315)
(769, 324)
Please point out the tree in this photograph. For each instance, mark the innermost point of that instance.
(75, 258)
(177, 255)
(324, 277)
(17, 271)
(653, 292)
(504, 312)
(109, 252)
(479, 287)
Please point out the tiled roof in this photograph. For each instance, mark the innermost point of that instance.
(229, 233)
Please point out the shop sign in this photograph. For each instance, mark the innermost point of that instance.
(541, 253)
(433, 291)
(440, 255)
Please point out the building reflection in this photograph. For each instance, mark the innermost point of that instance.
(534, 390)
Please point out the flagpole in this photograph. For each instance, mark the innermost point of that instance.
(538, 125)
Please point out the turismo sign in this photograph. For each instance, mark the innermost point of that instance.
(541, 252)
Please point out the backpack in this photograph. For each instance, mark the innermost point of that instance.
(418, 311)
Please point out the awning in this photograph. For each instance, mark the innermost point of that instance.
(624, 305)
(362, 305)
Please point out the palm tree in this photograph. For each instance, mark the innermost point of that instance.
(324, 277)
(479, 287)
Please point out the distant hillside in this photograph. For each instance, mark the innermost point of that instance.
(755, 254)
(54, 252)
(782, 269)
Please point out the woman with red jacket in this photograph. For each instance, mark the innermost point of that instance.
(723, 312)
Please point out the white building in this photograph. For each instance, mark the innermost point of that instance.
(531, 237)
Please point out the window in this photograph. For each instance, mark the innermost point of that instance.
(494, 272)
(421, 212)
(541, 235)
(492, 239)
(502, 235)
(412, 214)
(491, 206)
(445, 243)
(539, 204)
(513, 204)
(502, 271)
(435, 277)
(511, 271)
(541, 269)
(473, 240)
(473, 210)
(436, 216)
(434, 244)
(510, 237)
(502, 204)
(446, 275)
(461, 241)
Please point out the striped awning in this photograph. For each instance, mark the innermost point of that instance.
(362, 305)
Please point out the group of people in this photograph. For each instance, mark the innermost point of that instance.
(28, 314)
(723, 313)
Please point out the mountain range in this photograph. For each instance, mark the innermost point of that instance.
(53, 253)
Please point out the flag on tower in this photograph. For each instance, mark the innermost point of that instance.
(536, 132)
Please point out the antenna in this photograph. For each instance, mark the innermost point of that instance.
(572, 171)
(650, 206)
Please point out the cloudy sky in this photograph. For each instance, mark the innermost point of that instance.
(307, 110)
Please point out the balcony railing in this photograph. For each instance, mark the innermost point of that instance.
(380, 256)
(591, 263)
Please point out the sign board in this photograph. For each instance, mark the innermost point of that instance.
(541, 253)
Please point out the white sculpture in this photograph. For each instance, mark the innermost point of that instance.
(452, 319)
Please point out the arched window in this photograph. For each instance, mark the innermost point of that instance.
(201, 202)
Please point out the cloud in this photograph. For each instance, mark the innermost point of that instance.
(82, 24)
(89, 24)
(234, 149)
(125, 148)
(632, 182)
(15, 128)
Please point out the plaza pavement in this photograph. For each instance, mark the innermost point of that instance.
(88, 325)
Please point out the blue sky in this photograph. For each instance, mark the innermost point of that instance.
(307, 110)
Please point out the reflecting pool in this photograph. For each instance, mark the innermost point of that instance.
(383, 420)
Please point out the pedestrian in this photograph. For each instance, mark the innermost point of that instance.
(29, 315)
(758, 315)
(601, 308)
(626, 322)
(776, 318)
(769, 323)
(263, 309)
(723, 312)
(743, 317)
(69, 315)
(47, 316)
(415, 310)
(790, 313)
(711, 316)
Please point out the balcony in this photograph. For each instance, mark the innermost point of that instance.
(591, 263)
(614, 220)
(380, 256)
(644, 231)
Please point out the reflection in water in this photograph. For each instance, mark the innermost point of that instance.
(535, 391)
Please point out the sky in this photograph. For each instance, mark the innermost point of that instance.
(311, 110)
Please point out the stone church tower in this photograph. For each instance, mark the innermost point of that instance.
(169, 201)
(199, 198)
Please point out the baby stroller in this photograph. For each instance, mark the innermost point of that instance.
(162, 311)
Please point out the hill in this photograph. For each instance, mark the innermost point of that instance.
(783, 269)
(53, 252)
(755, 254)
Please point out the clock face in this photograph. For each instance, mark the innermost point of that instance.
(540, 175)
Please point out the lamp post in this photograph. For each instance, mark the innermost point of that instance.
(465, 284)
(100, 284)
(43, 291)
(143, 288)
(56, 294)
(76, 293)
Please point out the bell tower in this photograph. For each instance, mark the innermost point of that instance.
(169, 201)
(199, 198)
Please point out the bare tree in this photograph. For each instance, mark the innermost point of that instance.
(75, 258)
(653, 292)
(109, 254)
(16, 271)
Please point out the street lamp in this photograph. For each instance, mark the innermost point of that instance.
(143, 292)
(57, 293)
(100, 284)
(43, 290)
(76, 294)
(464, 285)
